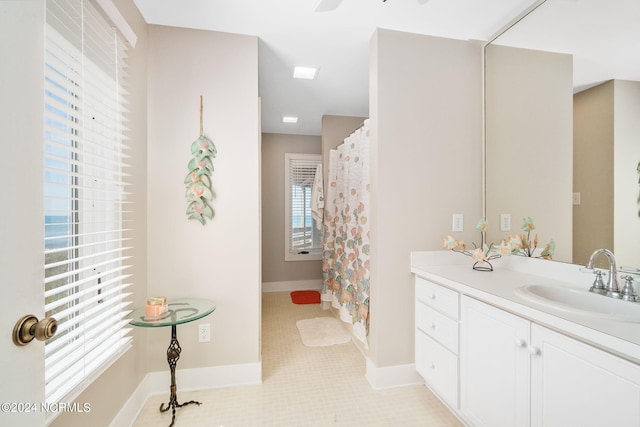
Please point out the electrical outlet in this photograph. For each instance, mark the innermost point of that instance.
(204, 332)
(458, 222)
(505, 222)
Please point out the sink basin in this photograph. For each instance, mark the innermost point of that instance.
(581, 302)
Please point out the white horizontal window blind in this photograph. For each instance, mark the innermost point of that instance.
(85, 197)
(303, 239)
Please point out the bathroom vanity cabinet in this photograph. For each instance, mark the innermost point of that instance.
(498, 364)
(573, 383)
(516, 373)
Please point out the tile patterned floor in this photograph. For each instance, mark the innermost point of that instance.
(296, 392)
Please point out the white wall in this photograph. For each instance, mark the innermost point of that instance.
(221, 260)
(426, 117)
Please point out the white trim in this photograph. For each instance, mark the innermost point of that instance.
(118, 20)
(311, 256)
(216, 377)
(392, 376)
(293, 285)
(188, 380)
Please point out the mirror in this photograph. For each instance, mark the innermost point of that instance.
(562, 129)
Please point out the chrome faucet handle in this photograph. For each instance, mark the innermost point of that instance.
(598, 286)
(628, 293)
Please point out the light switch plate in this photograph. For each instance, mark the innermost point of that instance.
(576, 198)
(458, 222)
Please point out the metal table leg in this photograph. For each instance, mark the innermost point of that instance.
(173, 354)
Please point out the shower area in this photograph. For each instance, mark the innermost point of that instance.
(346, 240)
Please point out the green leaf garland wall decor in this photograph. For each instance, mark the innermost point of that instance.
(198, 179)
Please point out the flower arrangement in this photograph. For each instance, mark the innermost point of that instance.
(481, 254)
(521, 244)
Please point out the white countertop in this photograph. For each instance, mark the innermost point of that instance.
(497, 287)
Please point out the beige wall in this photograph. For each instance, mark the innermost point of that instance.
(274, 267)
(426, 122)
(529, 144)
(593, 171)
(221, 260)
(607, 152)
(626, 178)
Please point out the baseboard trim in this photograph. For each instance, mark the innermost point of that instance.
(292, 285)
(391, 376)
(189, 380)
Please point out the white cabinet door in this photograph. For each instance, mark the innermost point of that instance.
(438, 367)
(494, 366)
(575, 384)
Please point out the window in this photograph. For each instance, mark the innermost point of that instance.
(303, 239)
(84, 197)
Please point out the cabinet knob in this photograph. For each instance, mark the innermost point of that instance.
(433, 365)
(535, 351)
(520, 342)
(433, 296)
(432, 325)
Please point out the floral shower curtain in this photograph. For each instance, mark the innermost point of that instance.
(345, 266)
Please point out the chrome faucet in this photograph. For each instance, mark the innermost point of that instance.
(612, 282)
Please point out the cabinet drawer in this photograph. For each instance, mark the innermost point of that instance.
(439, 327)
(438, 297)
(438, 367)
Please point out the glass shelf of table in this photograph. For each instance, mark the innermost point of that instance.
(181, 310)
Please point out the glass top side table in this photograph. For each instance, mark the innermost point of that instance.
(181, 310)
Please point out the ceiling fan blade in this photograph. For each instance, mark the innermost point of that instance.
(328, 5)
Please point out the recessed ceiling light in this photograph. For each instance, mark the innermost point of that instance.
(308, 73)
(289, 119)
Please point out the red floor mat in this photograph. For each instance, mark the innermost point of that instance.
(305, 297)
